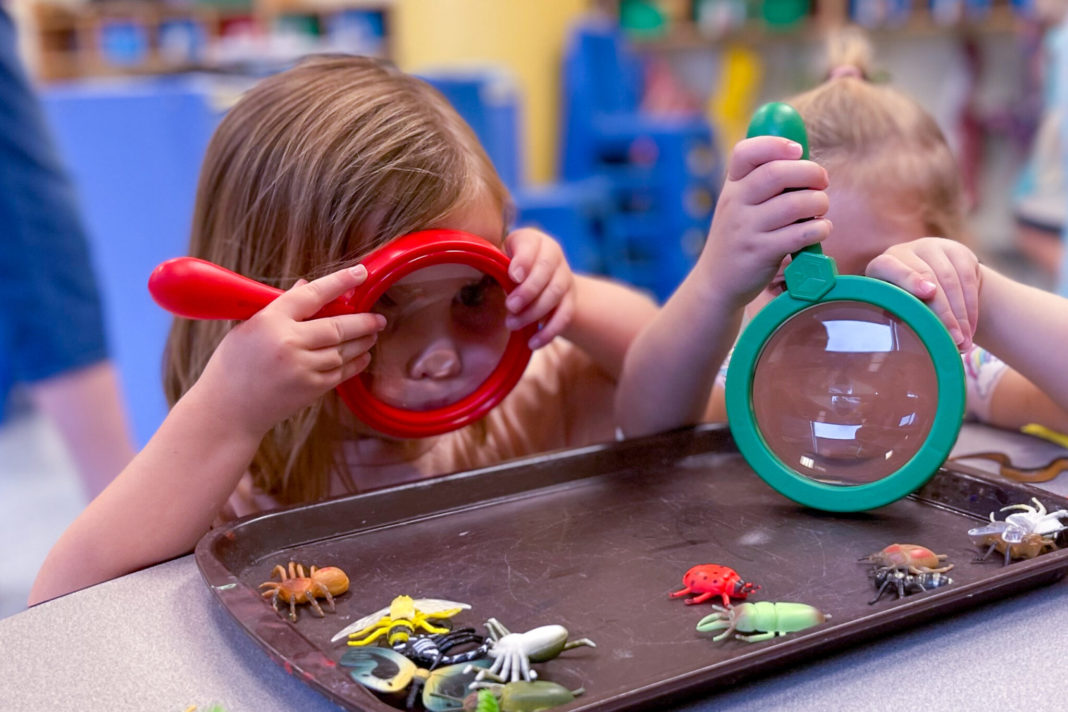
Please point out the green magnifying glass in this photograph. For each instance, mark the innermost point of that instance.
(845, 393)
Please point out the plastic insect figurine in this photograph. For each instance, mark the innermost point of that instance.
(295, 587)
(518, 696)
(430, 650)
(711, 580)
(905, 583)
(400, 620)
(1021, 535)
(387, 671)
(912, 557)
(512, 653)
(763, 619)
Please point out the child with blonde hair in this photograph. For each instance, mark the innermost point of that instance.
(880, 182)
(309, 172)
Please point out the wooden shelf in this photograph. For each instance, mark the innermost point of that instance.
(683, 33)
(70, 43)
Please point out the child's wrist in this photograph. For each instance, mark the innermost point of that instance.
(222, 415)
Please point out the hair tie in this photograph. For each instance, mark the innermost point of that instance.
(846, 70)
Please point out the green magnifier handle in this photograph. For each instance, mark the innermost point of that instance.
(807, 277)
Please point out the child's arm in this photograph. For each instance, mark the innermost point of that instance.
(1028, 329)
(599, 316)
(263, 371)
(1025, 327)
(670, 368)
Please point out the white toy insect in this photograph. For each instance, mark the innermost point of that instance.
(512, 653)
(1021, 535)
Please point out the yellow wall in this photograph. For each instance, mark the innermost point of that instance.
(525, 36)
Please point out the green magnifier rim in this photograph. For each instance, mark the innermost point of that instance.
(913, 474)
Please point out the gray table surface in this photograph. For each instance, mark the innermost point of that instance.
(158, 640)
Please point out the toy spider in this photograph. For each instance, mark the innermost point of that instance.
(1022, 535)
(294, 587)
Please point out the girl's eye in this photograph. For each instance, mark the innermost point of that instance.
(472, 295)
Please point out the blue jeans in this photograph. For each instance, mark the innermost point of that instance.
(51, 319)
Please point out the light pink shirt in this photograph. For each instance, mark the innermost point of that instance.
(563, 400)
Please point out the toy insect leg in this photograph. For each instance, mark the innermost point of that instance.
(375, 635)
(579, 642)
(700, 598)
(757, 637)
(724, 634)
(311, 598)
(320, 588)
(880, 594)
(431, 628)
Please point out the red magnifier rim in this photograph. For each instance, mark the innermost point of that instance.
(398, 259)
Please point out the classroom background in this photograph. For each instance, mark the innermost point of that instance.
(609, 121)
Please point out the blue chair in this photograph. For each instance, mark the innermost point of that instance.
(134, 150)
(664, 172)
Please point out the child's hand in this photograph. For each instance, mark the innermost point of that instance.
(943, 273)
(546, 285)
(755, 224)
(279, 361)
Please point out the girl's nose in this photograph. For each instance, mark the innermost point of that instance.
(438, 360)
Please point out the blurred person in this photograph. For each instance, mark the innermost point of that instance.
(51, 322)
(312, 171)
(881, 181)
(1040, 197)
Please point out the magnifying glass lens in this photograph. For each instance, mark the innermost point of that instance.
(844, 393)
(444, 336)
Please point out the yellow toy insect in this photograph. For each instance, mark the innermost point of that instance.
(400, 619)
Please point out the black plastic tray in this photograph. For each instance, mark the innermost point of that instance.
(595, 539)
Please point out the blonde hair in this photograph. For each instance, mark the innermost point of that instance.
(879, 137)
(310, 170)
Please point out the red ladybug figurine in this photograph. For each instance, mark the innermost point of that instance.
(711, 580)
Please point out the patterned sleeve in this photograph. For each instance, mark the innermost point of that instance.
(721, 375)
(982, 371)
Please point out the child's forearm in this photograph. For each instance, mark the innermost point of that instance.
(159, 506)
(1028, 329)
(608, 316)
(671, 367)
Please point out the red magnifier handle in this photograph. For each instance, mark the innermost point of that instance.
(198, 289)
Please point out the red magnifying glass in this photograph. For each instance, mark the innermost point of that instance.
(445, 358)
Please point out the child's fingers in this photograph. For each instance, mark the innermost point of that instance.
(549, 298)
(333, 330)
(950, 285)
(916, 277)
(349, 370)
(771, 179)
(543, 271)
(303, 301)
(967, 267)
(757, 151)
(555, 325)
(794, 236)
(891, 269)
(522, 247)
(791, 207)
(334, 357)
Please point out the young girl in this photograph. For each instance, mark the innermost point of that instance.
(883, 176)
(310, 171)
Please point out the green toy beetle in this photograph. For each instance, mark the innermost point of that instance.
(764, 619)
